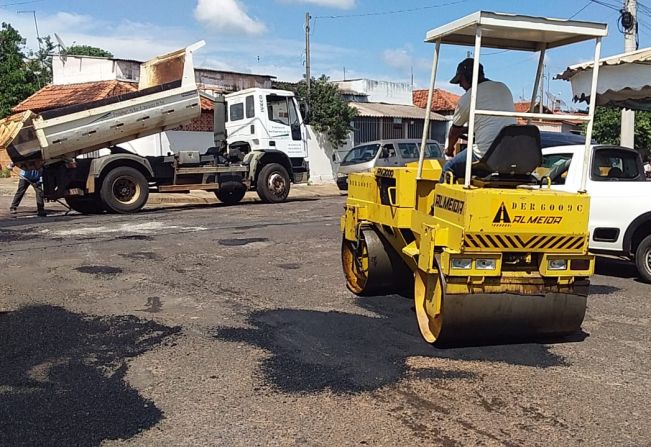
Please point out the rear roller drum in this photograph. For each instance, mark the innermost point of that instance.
(367, 264)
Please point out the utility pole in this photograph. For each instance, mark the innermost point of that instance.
(628, 20)
(38, 40)
(308, 76)
(542, 90)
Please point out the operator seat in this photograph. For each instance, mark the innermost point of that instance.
(511, 159)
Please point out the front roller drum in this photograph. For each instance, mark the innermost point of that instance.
(367, 264)
(481, 317)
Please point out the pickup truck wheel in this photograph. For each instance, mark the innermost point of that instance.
(86, 204)
(273, 183)
(643, 259)
(124, 190)
(231, 193)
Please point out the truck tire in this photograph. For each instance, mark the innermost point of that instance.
(273, 183)
(86, 204)
(231, 192)
(124, 190)
(643, 259)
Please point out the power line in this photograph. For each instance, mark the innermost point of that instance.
(580, 10)
(384, 13)
(20, 3)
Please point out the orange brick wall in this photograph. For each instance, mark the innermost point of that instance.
(204, 123)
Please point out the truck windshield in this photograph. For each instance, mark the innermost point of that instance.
(361, 154)
(281, 110)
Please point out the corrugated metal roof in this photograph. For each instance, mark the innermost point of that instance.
(383, 110)
(642, 56)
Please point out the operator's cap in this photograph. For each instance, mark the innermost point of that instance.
(465, 69)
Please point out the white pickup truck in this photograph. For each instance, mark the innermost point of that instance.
(620, 199)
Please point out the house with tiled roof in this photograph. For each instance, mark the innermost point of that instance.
(546, 125)
(385, 110)
(443, 101)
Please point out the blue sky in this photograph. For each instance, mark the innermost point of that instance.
(368, 38)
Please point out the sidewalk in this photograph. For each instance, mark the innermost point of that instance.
(8, 188)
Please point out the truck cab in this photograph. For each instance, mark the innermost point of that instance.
(266, 119)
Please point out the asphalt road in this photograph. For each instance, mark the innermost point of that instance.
(229, 326)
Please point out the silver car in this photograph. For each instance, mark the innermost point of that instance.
(383, 153)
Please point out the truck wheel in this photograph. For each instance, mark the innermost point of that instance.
(643, 259)
(86, 204)
(273, 183)
(124, 190)
(231, 193)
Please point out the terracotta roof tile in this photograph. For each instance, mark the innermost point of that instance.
(55, 96)
(442, 101)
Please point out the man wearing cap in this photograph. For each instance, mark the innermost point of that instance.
(491, 95)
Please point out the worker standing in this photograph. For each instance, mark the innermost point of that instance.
(491, 95)
(27, 178)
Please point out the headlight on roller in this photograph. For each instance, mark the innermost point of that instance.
(486, 264)
(557, 264)
(341, 175)
(461, 263)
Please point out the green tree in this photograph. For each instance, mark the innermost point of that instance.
(17, 80)
(87, 50)
(607, 128)
(328, 112)
(40, 62)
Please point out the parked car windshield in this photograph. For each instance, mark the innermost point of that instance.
(411, 150)
(361, 154)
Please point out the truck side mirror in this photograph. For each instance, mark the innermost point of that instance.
(305, 112)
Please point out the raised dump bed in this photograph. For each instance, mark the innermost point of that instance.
(167, 97)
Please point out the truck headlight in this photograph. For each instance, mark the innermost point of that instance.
(486, 264)
(461, 263)
(557, 264)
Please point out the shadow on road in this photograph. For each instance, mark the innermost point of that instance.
(62, 377)
(618, 268)
(313, 351)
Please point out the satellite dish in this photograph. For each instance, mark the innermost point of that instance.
(63, 50)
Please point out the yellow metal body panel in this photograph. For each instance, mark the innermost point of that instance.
(447, 220)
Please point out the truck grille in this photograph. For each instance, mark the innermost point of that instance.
(526, 243)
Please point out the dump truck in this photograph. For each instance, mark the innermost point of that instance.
(267, 151)
(499, 253)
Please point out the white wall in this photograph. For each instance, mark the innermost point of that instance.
(322, 168)
(163, 143)
(380, 91)
(74, 70)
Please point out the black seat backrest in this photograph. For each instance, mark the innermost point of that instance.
(516, 151)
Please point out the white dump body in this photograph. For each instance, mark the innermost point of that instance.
(167, 97)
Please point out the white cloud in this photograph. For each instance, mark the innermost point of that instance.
(398, 58)
(341, 4)
(227, 16)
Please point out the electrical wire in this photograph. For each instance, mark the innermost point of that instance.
(20, 3)
(580, 10)
(398, 11)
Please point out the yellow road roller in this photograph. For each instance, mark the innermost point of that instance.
(499, 253)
